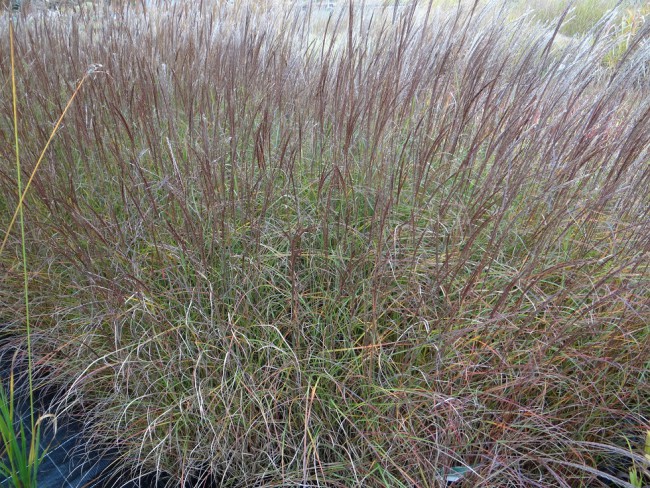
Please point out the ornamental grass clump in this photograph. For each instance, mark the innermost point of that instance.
(274, 246)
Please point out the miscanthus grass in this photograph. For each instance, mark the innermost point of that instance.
(272, 246)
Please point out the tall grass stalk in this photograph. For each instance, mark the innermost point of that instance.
(24, 461)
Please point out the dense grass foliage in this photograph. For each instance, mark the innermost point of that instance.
(282, 249)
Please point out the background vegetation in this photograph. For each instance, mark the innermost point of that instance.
(269, 247)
